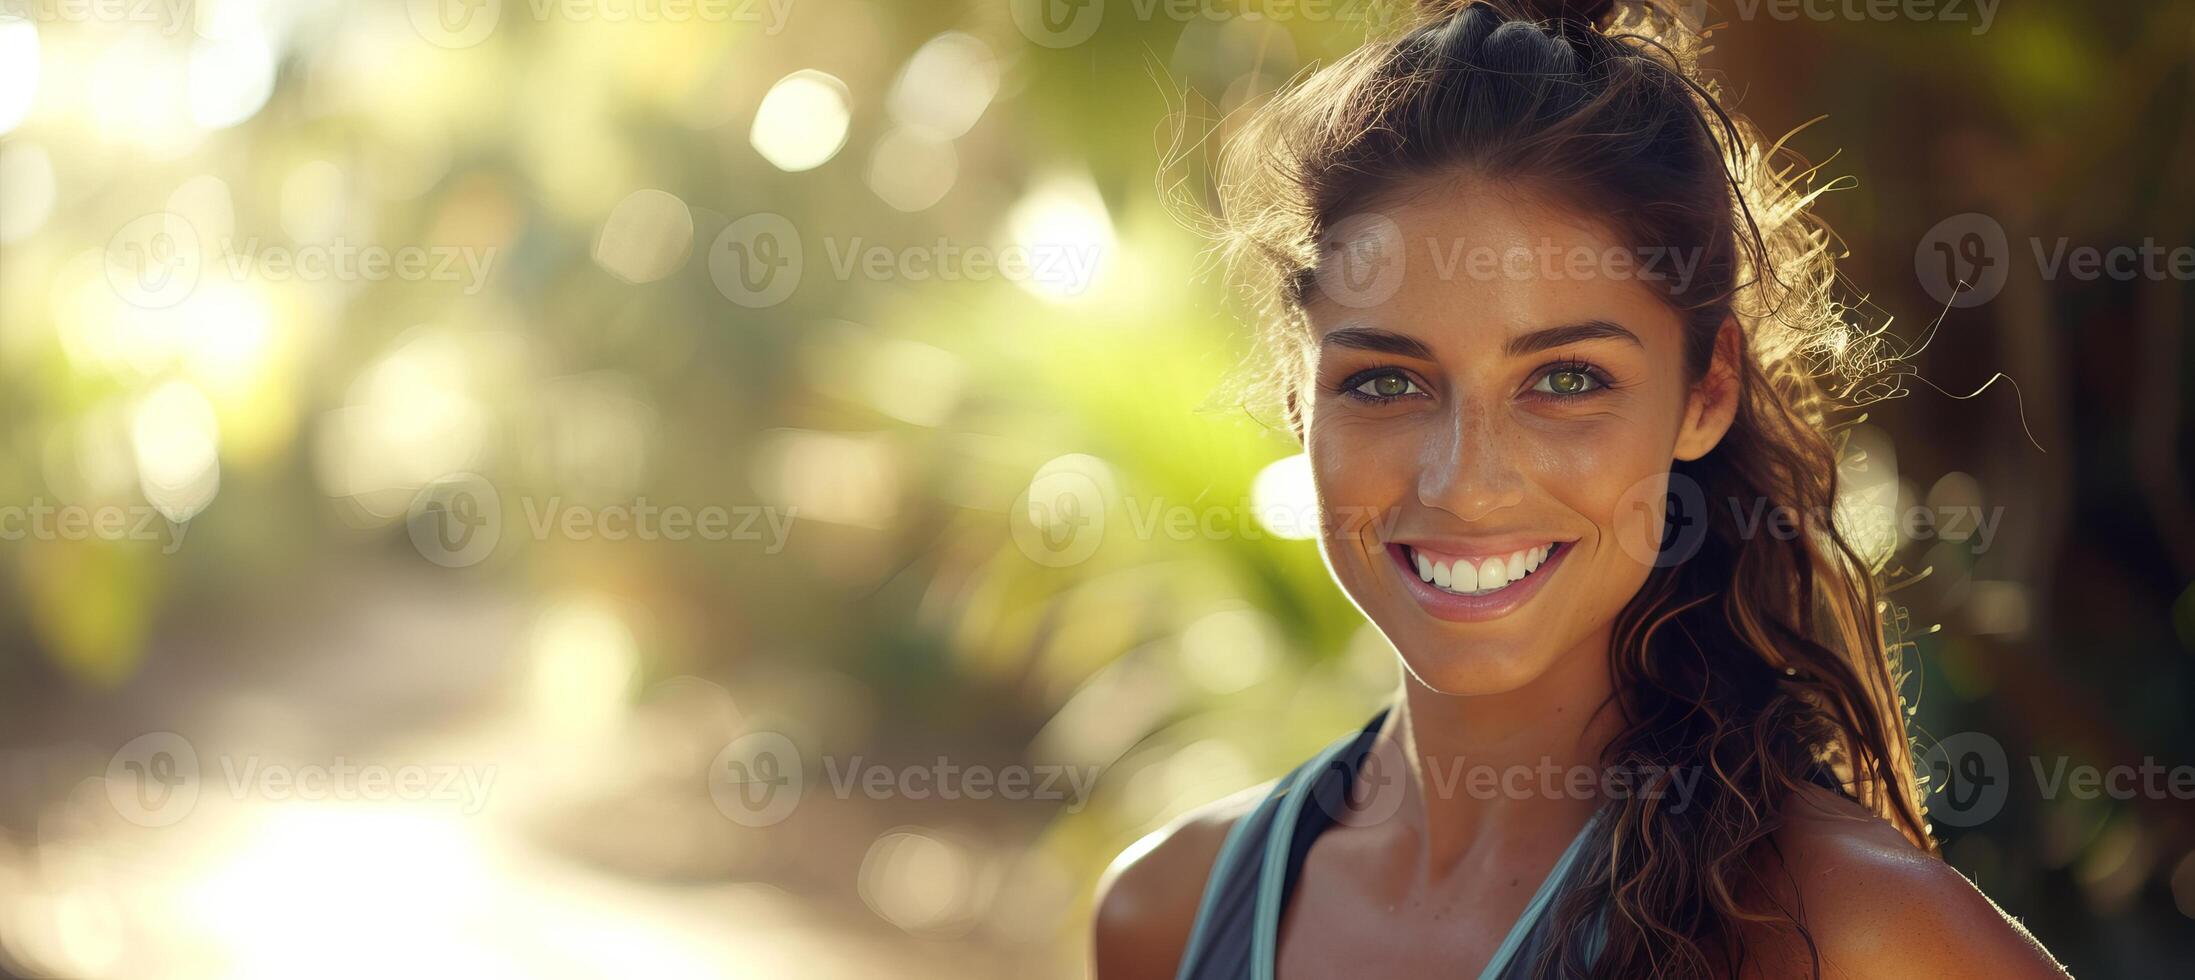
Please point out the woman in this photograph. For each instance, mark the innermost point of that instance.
(1525, 287)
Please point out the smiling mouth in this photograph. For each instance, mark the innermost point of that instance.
(1478, 576)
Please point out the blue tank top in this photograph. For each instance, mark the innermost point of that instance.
(1237, 931)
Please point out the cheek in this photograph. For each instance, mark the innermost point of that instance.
(1361, 460)
(1361, 473)
(1615, 476)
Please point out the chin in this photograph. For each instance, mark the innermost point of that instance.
(1465, 666)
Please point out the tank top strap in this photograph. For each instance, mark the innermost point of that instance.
(1236, 935)
(1229, 927)
(1533, 931)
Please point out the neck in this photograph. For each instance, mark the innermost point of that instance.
(1496, 769)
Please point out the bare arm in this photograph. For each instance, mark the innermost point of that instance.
(1147, 900)
(1878, 907)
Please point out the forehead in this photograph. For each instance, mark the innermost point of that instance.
(1483, 262)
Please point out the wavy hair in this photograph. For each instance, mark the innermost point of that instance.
(1763, 662)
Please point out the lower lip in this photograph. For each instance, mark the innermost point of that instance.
(1443, 604)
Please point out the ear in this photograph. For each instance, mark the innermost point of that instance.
(1713, 402)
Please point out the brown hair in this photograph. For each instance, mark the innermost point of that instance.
(1759, 661)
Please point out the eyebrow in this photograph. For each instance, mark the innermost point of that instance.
(1563, 336)
(1389, 342)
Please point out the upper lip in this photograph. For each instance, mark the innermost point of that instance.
(1480, 547)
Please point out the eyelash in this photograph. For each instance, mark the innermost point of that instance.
(1348, 387)
(1601, 382)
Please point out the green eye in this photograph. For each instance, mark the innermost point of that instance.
(1567, 381)
(1386, 386)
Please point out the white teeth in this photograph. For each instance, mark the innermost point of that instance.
(1493, 574)
(1486, 575)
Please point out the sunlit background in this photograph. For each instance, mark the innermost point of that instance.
(455, 453)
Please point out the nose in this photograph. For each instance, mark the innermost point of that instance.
(1469, 466)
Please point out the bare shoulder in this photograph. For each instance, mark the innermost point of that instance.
(1147, 901)
(1877, 906)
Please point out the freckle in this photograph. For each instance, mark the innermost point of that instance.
(1513, 882)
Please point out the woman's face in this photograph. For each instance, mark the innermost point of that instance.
(1491, 421)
